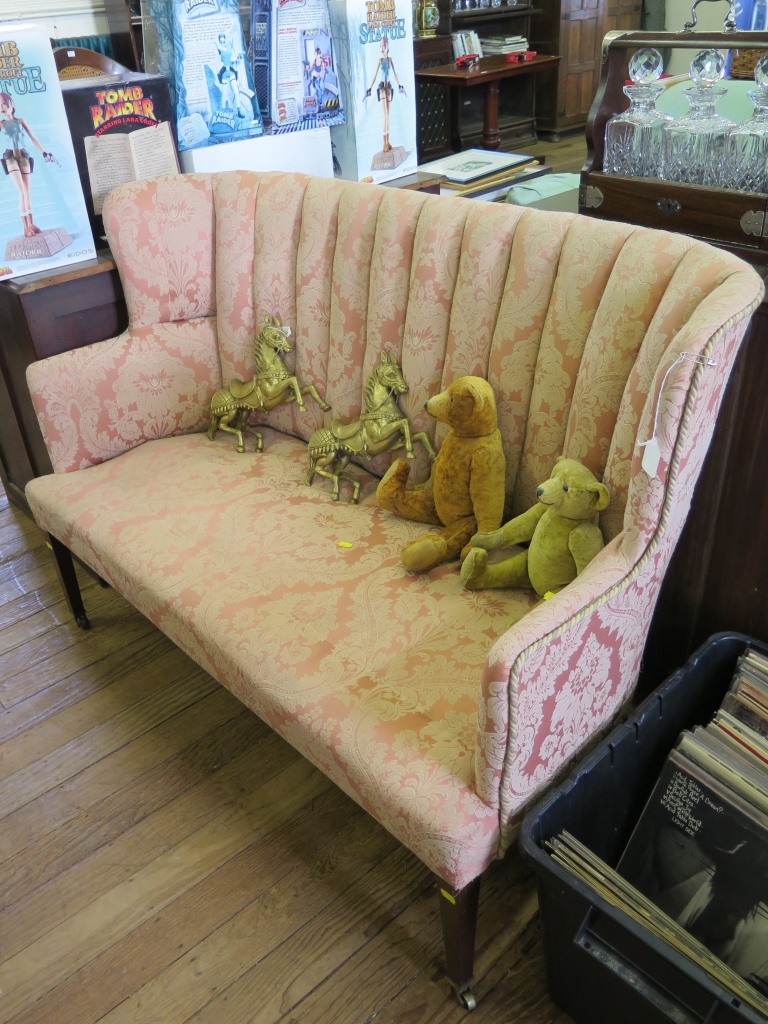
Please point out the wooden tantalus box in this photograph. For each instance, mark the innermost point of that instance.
(736, 220)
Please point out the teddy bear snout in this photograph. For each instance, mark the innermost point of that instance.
(539, 491)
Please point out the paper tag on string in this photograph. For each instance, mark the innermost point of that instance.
(651, 450)
(651, 456)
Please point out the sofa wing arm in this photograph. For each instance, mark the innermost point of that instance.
(558, 674)
(93, 403)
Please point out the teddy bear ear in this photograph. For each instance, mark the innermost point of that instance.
(471, 389)
(603, 497)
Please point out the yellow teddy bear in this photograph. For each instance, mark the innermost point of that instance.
(465, 489)
(562, 529)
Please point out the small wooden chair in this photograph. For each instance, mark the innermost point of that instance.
(78, 62)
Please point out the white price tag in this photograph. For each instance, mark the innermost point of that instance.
(651, 457)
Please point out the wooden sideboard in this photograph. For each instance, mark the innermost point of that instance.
(451, 120)
(433, 101)
(488, 74)
(42, 315)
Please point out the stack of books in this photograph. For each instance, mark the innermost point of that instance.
(483, 173)
(503, 44)
(694, 871)
(466, 42)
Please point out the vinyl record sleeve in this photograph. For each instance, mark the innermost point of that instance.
(701, 853)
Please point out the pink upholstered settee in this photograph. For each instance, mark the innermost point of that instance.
(441, 711)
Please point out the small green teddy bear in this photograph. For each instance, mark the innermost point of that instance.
(562, 529)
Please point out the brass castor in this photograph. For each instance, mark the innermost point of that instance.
(467, 998)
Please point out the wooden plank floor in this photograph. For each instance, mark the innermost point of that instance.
(568, 154)
(166, 858)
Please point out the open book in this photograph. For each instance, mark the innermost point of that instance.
(114, 158)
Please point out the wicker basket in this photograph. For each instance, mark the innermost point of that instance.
(743, 62)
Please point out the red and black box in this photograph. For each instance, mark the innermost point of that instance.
(112, 103)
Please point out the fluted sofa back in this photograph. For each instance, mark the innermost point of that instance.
(574, 322)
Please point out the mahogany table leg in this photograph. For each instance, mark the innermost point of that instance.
(491, 136)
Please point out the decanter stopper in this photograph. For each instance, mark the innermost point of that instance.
(645, 66)
(708, 67)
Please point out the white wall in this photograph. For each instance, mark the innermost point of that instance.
(709, 18)
(61, 18)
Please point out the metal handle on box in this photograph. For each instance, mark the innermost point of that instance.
(613, 961)
(729, 24)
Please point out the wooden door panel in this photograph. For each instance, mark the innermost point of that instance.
(580, 42)
(578, 91)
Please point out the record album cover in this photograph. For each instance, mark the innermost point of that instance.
(701, 853)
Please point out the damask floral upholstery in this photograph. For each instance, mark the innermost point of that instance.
(442, 711)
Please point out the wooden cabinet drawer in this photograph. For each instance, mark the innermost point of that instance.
(718, 215)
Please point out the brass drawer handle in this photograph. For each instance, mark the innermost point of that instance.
(669, 206)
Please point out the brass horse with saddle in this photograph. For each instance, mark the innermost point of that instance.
(272, 384)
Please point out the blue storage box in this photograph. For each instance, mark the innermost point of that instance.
(603, 967)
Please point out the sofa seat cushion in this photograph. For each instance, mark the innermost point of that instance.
(372, 673)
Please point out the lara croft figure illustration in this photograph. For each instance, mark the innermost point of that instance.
(384, 90)
(16, 161)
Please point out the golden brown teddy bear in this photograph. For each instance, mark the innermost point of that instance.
(562, 529)
(465, 489)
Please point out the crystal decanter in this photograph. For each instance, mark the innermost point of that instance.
(633, 137)
(694, 145)
(745, 166)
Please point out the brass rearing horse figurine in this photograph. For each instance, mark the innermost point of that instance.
(272, 384)
(380, 428)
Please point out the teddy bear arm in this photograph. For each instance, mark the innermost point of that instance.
(486, 490)
(584, 543)
(522, 528)
(516, 531)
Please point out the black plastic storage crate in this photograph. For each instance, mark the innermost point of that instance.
(602, 967)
